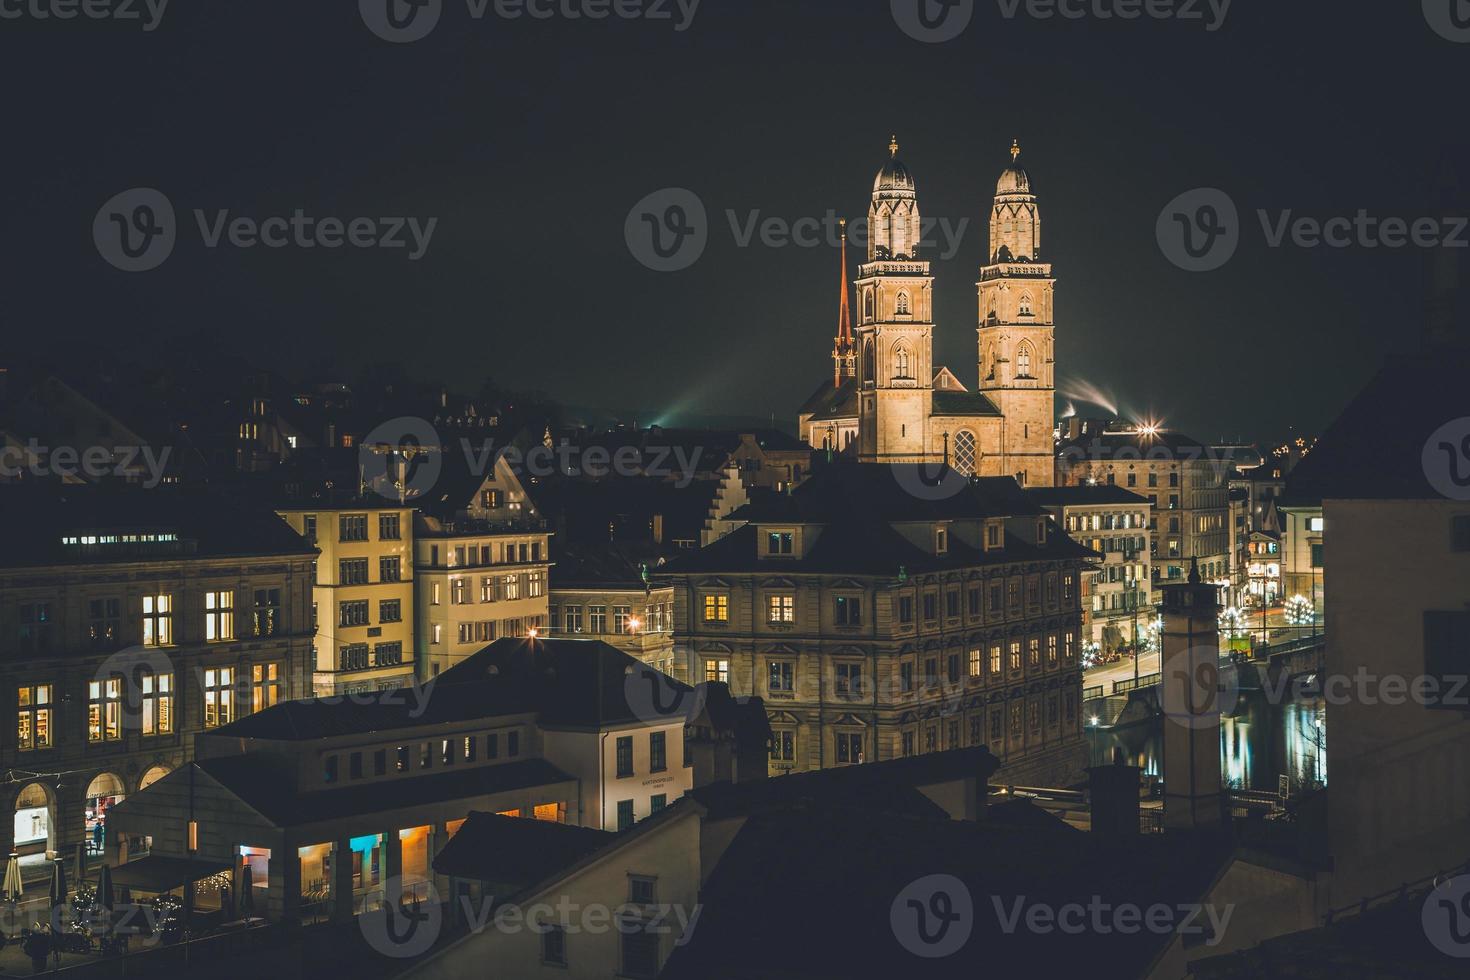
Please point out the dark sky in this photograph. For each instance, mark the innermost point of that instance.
(531, 140)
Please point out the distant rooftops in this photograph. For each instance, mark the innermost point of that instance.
(1085, 495)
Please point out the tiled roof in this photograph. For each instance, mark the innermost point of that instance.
(963, 403)
(515, 851)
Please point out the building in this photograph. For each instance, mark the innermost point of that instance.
(362, 605)
(132, 621)
(1187, 485)
(766, 458)
(482, 563)
(888, 401)
(328, 800)
(1117, 595)
(602, 593)
(879, 623)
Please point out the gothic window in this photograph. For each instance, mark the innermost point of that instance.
(990, 364)
(1023, 361)
(903, 304)
(868, 306)
(1025, 309)
(964, 452)
(868, 359)
(901, 362)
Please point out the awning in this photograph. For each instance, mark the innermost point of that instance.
(158, 873)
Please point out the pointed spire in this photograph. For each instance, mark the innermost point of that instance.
(893, 145)
(842, 349)
(1015, 150)
(1194, 578)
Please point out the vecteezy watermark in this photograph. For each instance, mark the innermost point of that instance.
(406, 21)
(1103, 918)
(1450, 19)
(148, 13)
(933, 917)
(933, 21)
(1447, 459)
(656, 698)
(144, 464)
(400, 920)
(1211, 13)
(136, 231)
(929, 481)
(1200, 230)
(669, 230)
(1446, 916)
(1195, 689)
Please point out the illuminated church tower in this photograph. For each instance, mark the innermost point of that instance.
(895, 293)
(844, 348)
(1017, 359)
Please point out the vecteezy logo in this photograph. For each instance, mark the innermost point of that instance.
(933, 21)
(933, 917)
(1199, 230)
(1194, 689)
(1447, 459)
(136, 670)
(1449, 18)
(401, 459)
(929, 481)
(1446, 917)
(668, 230)
(135, 231)
(655, 697)
(401, 21)
(401, 922)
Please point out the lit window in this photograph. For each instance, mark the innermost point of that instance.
(782, 608)
(158, 620)
(219, 702)
(104, 710)
(158, 704)
(219, 616)
(33, 717)
(717, 608)
(265, 686)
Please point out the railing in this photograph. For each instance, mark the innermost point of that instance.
(1092, 693)
(1399, 893)
(1136, 684)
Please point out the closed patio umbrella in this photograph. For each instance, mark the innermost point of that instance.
(14, 888)
(58, 882)
(81, 864)
(104, 887)
(247, 891)
(226, 904)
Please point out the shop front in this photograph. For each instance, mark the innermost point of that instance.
(33, 819)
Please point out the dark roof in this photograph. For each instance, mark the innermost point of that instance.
(1379, 446)
(897, 492)
(836, 875)
(35, 517)
(379, 711)
(829, 402)
(1085, 495)
(600, 565)
(515, 851)
(962, 403)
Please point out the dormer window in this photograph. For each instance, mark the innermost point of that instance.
(1041, 532)
(993, 537)
(941, 541)
(780, 543)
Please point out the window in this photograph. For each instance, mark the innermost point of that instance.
(1051, 651)
(657, 802)
(625, 817)
(219, 700)
(388, 527)
(781, 608)
(354, 765)
(783, 746)
(973, 596)
(158, 620)
(954, 668)
(353, 571)
(781, 673)
(390, 610)
(908, 744)
(266, 619)
(511, 589)
(553, 944)
(848, 611)
(353, 613)
(622, 615)
(265, 686)
(931, 606)
(597, 619)
(974, 661)
(219, 616)
(535, 584)
(717, 670)
(1460, 533)
(1023, 360)
(426, 755)
(158, 703)
(1015, 657)
(308, 527)
(33, 717)
(849, 748)
(901, 362)
(355, 656)
(390, 569)
(448, 751)
(401, 763)
(492, 746)
(512, 744)
(952, 604)
(352, 527)
(779, 542)
(380, 762)
(388, 654)
(329, 769)
(964, 452)
(902, 304)
(906, 609)
(574, 619)
(849, 680)
(1033, 652)
(104, 710)
(625, 756)
(993, 536)
(492, 499)
(905, 677)
(658, 757)
(995, 659)
(104, 623)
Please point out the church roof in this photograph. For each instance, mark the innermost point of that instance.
(963, 403)
(828, 402)
(1014, 180)
(894, 176)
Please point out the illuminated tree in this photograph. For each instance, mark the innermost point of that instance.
(1299, 611)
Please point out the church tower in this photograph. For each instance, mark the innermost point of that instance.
(1017, 357)
(895, 335)
(844, 348)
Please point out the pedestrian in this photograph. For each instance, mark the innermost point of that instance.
(36, 948)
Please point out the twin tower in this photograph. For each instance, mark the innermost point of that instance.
(887, 401)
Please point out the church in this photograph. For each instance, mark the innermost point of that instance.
(887, 401)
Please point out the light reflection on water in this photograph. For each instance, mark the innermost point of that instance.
(1258, 744)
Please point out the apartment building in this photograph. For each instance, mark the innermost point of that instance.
(363, 600)
(130, 621)
(604, 594)
(877, 622)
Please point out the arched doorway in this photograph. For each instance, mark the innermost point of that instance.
(35, 816)
(152, 776)
(103, 793)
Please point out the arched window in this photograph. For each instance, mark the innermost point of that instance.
(868, 362)
(901, 362)
(1025, 308)
(1023, 361)
(868, 306)
(903, 303)
(964, 452)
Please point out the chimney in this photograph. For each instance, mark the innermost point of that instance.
(1113, 794)
(1191, 691)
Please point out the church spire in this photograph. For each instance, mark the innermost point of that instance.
(844, 350)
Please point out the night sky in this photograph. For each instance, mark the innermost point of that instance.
(531, 140)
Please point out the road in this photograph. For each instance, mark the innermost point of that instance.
(1122, 670)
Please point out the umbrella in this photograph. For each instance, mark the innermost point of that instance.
(58, 883)
(226, 904)
(104, 887)
(81, 864)
(247, 891)
(13, 886)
